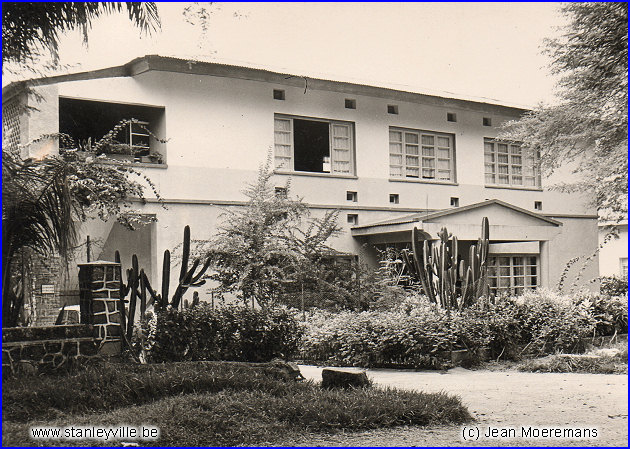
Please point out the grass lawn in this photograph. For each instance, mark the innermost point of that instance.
(210, 404)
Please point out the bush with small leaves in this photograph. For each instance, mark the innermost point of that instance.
(224, 333)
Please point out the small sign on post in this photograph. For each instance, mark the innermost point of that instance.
(48, 289)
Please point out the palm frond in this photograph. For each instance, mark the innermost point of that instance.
(30, 27)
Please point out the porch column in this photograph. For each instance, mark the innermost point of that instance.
(99, 284)
(544, 264)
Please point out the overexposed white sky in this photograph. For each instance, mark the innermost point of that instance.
(485, 50)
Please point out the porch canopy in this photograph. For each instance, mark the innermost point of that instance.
(508, 223)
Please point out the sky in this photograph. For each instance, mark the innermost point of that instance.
(470, 50)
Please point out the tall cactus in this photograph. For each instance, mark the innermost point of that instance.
(445, 279)
(138, 285)
(187, 276)
(476, 280)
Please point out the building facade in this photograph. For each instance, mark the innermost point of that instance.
(613, 257)
(388, 159)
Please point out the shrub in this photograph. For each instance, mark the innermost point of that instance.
(495, 326)
(414, 333)
(225, 333)
(610, 313)
(613, 286)
(377, 339)
(553, 323)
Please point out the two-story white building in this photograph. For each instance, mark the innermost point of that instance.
(388, 159)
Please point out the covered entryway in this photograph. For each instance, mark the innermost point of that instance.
(519, 251)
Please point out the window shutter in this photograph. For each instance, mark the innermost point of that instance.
(283, 143)
(341, 148)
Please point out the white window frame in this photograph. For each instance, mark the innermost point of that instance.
(495, 273)
(623, 267)
(283, 160)
(507, 165)
(421, 155)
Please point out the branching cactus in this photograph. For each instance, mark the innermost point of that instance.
(138, 284)
(445, 278)
(476, 279)
(188, 277)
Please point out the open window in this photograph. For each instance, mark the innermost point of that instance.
(87, 121)
(314, 145)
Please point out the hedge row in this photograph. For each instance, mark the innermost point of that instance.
(225, 333)
(414, 334)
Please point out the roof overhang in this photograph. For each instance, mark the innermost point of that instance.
(171, 64)
(507, 223)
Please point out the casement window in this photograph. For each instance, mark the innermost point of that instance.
(314, 145)
(623, 267)
(422, 155)
(87, 121)
(512, 273)
(507, 164)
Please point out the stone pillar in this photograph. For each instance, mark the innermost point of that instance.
(99, 284)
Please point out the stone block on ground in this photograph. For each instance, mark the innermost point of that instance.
(288, 370)
(334, 378)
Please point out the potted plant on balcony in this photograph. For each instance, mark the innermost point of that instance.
(156, 158)
(118, 151)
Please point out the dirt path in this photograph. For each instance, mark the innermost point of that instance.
(503, 399)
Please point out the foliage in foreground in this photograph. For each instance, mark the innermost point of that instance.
(416, 333)
(223, 333)
(613, 285)
(45, 200)
(109, 386)
(31, 30)
(271, 245)
(222, 404)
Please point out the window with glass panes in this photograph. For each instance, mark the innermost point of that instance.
(512, 273)
(508, 164)
(313, 145)
(421, 155)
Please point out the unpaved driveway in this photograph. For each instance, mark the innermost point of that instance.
(502, 399)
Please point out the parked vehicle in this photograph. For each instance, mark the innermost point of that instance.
(69, 315)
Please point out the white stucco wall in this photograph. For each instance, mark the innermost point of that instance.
(613, 251)
(221, 129)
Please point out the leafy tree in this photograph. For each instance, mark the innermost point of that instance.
(30, 28)
(271, 244)
(45, 200)
(589, 126)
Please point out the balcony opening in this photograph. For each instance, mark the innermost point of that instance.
(87, 121)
